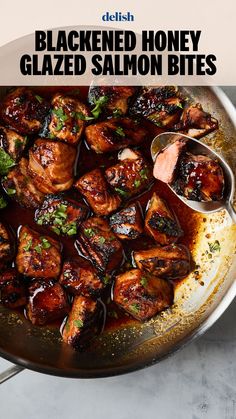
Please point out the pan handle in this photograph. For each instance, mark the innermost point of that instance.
(10, 372)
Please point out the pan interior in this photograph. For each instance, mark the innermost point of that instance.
(199, 300)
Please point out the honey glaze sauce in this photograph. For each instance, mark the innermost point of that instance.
(15, 216)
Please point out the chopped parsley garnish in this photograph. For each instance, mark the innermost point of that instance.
(137, 183)
(106, 279)
(82, 117)
(45, 243)
(39, 98)
(117, 112)
(89, 232)
(134, 308)
(179, 105)
(78, 323)
(3, 203)
(101, 240)
(18, 143)
(143, 173)
(38, 249)
(61, 116)
(121, 192)
(66, 274)
(99, 103)
(58, 219)
(6, 162)
(215, 246)
(28, 246)
(120, 131)
(10, 191)
(143, 281)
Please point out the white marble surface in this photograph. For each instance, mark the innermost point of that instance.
(198, 382)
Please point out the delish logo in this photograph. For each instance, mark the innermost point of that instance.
(118, 17)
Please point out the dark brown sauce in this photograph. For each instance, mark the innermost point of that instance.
(15, 216)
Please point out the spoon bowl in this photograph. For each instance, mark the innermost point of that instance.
(161, 141)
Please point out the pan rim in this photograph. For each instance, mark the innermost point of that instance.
(194, 334)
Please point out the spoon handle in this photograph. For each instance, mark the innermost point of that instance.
(229, 207)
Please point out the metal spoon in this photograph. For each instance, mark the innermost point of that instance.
(163, 140)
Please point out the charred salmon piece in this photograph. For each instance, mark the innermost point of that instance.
(83, 322)
(95, 189)
(167, 161)
(127, 223)
(131, 176)
(161, 105)
(47, 302)
(19, 186)
(170, 262)
(12, 142)
(51, 165)
(78, 280)
(68, 119)
(63, 216)
(98, 243)
(115, 134)
(161, 223)
(199, 178)
(24, 111)
(38, 256)
(12, 290)
(195, 122)
(6, 245)
(116, 101)
(142, 295)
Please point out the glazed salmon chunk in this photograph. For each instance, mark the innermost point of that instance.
(142, 295)
(24, 111)
(38, 256)
(47, 302)
(98, 243)
(82, 324)
(115, 134)
(169, 262)
(68, 119)
(96, 190)
(131, 175)
(161, 223)
(79, 280)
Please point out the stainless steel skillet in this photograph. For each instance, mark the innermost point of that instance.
(199, 301)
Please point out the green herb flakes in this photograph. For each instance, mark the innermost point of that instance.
(214, 246)
(134, 308)
(99, 103)
(120, 131)
(3, 203)
(28, 246)
(78, 323)
(6, 162)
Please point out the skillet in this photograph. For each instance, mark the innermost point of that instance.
(199, 300)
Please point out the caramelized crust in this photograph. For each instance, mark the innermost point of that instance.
(38, 256)
(83, 322)
(142, 295)
(24, 111)
(19, 185)
(161, 223)
(68, 119)
(169, 262)
(12, 142)
(115, 134)
(127, 223)
(51, 165)
(94, 188)
(98, 243)
(47, 302)
(131, 175)
(78, 280)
